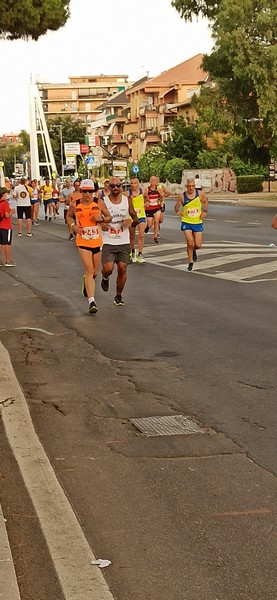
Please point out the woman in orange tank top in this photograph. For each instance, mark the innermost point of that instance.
(88, 217)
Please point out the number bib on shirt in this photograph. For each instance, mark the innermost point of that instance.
(90, 233)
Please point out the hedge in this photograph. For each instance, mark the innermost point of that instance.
(249, 183)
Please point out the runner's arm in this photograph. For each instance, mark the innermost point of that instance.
(178, 206)
(104, 212)
(205, 202)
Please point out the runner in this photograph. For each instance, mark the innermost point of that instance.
(136, 195)
(116, 238)
(165, 193)
(47, 194)
(153, 198)
(35, 202)
(23, 194)
(88, 215)
(194, 205)
(5, 228)
(55, 198)
(64, 199)
(105, 191)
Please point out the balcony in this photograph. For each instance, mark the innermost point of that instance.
(148, 109)
(118, 138)
(116, 118)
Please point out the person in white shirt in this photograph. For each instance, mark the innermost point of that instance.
(23, 194)
(116, 238)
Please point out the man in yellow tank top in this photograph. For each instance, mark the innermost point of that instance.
(192, 206)
(138, 202)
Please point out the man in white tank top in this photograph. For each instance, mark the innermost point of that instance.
(116, 238)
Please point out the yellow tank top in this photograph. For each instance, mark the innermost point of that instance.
(138, 204)
(47, 192)
(192, 211)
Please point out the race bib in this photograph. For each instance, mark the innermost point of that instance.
(90, 233)
(115, 231)
(192, 212)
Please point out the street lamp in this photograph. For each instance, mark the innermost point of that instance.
(60, 127)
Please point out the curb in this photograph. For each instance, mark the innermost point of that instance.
(8, 582)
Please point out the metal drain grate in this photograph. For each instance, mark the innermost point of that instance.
(171, 425)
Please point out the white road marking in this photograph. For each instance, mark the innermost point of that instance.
(228, 253)
(250, 223)
(68, 547)
(230, 221)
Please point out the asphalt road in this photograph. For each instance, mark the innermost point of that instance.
(181, 517)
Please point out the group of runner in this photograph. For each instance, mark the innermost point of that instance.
(104, 222)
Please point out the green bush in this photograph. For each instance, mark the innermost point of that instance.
(210, 159)
(174, 169)
(249, 183)
(242, 168)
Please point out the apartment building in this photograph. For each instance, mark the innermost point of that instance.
(80, 97)
(156, 102)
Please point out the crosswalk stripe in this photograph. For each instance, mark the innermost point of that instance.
(227, 254)
(248, 272)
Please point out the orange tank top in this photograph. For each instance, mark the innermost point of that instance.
(91, 233)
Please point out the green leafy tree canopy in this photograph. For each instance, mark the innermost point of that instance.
(185, 142)
(72, 130)
(31, 18)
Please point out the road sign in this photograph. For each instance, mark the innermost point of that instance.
(120, 168)
(92, 140)
(135, 169)
(72, 148)
(90, 160)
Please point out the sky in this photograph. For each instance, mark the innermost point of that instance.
(132, 37)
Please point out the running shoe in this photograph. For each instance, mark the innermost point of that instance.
(9, 264)
(50, 219)
(84, 291)
(92, 308)
(190, 267)
(118, 300)
(19, 235)
(146, 230)
(194, 256)
(105, 284)
(155, 240)
(71, 237)
(29, 234)
(140, 259)
(134, 257)
(45, 218)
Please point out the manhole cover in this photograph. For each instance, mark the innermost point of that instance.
(171, 425)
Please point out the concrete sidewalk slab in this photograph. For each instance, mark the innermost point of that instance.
(8, 582)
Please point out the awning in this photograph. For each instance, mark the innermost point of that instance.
(166, 92)
(110, 129)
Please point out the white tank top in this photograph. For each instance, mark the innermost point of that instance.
(117, 234)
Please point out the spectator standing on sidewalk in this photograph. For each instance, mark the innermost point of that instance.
(23, 194)
(5, 228)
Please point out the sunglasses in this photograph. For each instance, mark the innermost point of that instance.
(114, 185)
(87, 191)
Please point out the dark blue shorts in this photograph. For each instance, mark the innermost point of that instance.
(192, 227)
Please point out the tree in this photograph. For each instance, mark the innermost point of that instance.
(190, 8)
(13, 153)
(244, 66)
(174, 169)
(186, 141)
(73, 130)
(152, 163)
(31, 18)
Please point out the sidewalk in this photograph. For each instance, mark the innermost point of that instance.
(8, 582)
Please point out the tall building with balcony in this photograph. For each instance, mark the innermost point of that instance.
(156, 102)
(80, 97)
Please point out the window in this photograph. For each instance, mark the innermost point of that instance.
(84, 92)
